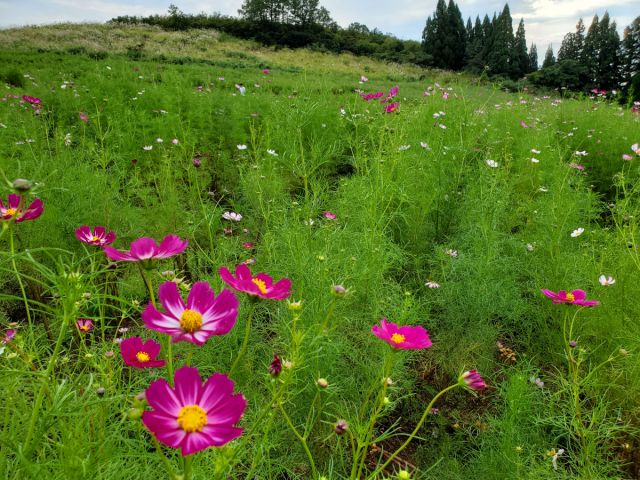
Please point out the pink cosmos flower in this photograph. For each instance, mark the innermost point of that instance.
(392, 107)
(139, 354)
(445, 95)
(8, 336)
(371, 96)
(248, 245)
(403, 338)
(15, 211)
(84, 325)
(146, 248)
(473, 380)
(83, 117)
(627, 157)
(576, 297)
(266, 71)
(192, 416)
(523, 124)
(32, 100)
(98, 237)
(261, 285)
(576, 166)
(204, 314)
(330, 215)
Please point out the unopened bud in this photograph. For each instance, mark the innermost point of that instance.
(339, 290)
(134, 413)
(22, 185)
(573, 343)
(100, 391)
(322, 383)
(341, 427)
(404, 475)
(295, 306)
(196, 162)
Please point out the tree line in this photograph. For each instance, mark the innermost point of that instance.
(595, 59)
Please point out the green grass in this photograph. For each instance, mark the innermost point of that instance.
(398, 211)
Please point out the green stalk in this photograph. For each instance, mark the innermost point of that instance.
(187, 467)
(415, 430)
(45, 380)
(165, 460)
(15, 269)
(302, 439)
(169, 346)
(245, 341)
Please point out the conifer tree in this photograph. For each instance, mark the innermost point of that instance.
(591, 50)
(500, 53)
(549, 58)
(630, 60)
(520, 55)
(533, 58)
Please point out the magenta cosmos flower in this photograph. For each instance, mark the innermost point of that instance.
(31, 100)
(14, 210)
(84, 325)
(146, 248)
(576, 297)
(139, 354)
(204, 314)
(261, 285)
(403, 338)
(98, 236)
(472, 380)
(392, 107)
(192, 416)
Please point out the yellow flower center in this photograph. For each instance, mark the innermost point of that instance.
(397, 338)
(261, 285)
(190, 321)
(570, 297)
(11, 211)
(192, 418)
(143, 357)
(95, 239)
(84, 328)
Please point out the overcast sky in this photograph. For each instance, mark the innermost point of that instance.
(546, 21)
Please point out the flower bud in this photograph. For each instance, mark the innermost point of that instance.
(22, 185)
(322, 383)
(341, 427)
(573, 343)
(404, 475)
(134, 413)
(100, 391)
(472, 380)
(338, 290)
(295, 306)
(196, 162)
(109, 354)
(275, 367)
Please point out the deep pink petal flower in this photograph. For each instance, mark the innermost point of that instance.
(139, 354)
(576, 297)
(403, 338)
(14, 210)
(260, 285)
(204, 314)
(330, 215)
(192, 416)
(392, 107)
(371, 96)
(473, 380)
(9, 336)
(32, 100)
(146, 248)
(98, 236)
(84, 325)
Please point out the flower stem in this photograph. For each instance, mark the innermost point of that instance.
(45, 382)
(165, 460)
(302, 439)
(15, 269)
(415, 430)
(245, 341)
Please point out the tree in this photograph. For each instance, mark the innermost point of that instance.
(520, 55)
(533, 58)
(549, 58)
(456, 39)
(573, 44)
(608, 61)
(500, 53)
(591, 50)
(630, 60)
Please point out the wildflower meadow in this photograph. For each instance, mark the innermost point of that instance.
(225, 261)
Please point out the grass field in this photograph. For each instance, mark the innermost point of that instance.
(452, 213)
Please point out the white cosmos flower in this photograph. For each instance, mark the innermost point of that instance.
(535, 160)
(159, 140)
(533, 150)
(241, 147)
(272, 152)
(402, 148)
(432, 284)
(425, 145)
(147, 147)
(530, 247)
(606, 281)
(451, 253)
(577, 232)
(581, 153)
(236, 217)
(491, 163)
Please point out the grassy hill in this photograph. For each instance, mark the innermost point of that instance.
(452, 212)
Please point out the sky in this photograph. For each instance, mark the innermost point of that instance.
(546, 21)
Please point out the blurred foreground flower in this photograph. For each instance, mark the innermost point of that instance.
(472, 380)
(403, 338)
(204, 314)
(192, 416)
(84, 325)
(14, 210)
